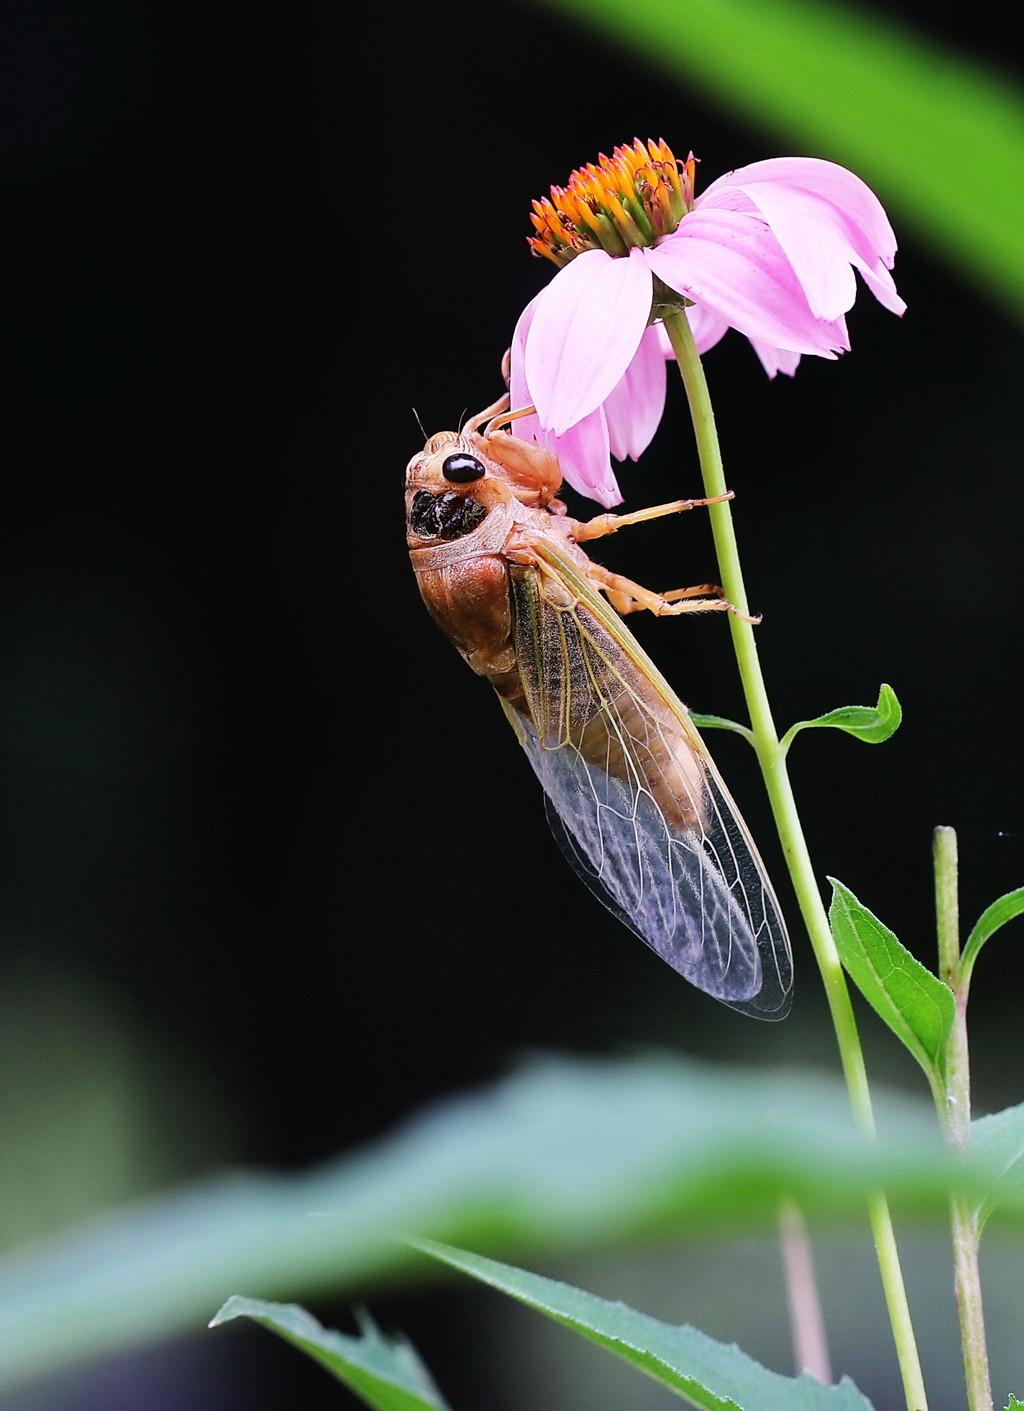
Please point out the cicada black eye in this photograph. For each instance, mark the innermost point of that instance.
(460, 468)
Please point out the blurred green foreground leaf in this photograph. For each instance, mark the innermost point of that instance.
(565, 1155)
(999, 1140)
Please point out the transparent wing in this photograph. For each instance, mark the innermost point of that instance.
(634, 798)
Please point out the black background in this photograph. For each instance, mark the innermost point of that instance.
(251, 796)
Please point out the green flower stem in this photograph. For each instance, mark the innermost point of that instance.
(954, 1105)
(787, 821)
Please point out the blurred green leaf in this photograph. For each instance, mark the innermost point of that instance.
(872, 724)
(1013, 1404)
(915, 1004)
(999, 1141)
(715, 1376)
(384, 1372)
(987, 924)
(564, 1155)
(940, 138)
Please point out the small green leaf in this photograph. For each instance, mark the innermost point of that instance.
(987, 924)
(999, 1140)
(383, 1372)
(1013, 1404)
(712, 1375)
(915, 1004)
(719, 722)
(872, 724)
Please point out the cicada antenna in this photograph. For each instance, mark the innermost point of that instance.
(419, 423)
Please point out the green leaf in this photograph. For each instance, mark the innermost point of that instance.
(565, 1155)
(715, 1376)
(998, 1141)
(915, 1004)
(1013, 1404)
(384, 1372)
(858, 87)
(872, 724)
(719, 722)
(987, 924)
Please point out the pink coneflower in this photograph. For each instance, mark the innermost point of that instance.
(769, 249)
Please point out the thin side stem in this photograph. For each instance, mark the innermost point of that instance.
(955, 1117)
(787, 821)
(807, 1324)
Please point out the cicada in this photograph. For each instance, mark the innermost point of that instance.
(631, 793)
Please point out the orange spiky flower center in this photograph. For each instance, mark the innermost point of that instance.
(619, 203)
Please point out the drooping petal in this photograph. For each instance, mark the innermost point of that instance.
(587, 325)
(775, 360)
(882, 285)
(518, 389)
(835, 184)
(583, 451)
(730, 262)
(814, 239)
(635, 404)
(825, 219)
(707, 327)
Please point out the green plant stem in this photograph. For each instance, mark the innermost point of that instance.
(787, 821)
(954, 1107)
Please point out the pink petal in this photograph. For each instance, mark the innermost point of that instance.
(634, 406)
(822, 216)
(518, 391)
(880, 282)
(587, 325)
(775, 360)
(707, 328)
(583, 452)
(814, 238)
(835, 184)
(731, 262)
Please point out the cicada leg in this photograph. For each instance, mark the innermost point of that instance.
(602, 524)
(623, 603)
(699, 590)
(626, 596)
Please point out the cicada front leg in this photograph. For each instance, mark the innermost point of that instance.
(602, 524)
(533, 471)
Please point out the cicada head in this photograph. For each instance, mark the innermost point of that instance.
(486, 463)
(452, 485)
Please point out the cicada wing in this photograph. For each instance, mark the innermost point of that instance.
(635, 801)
